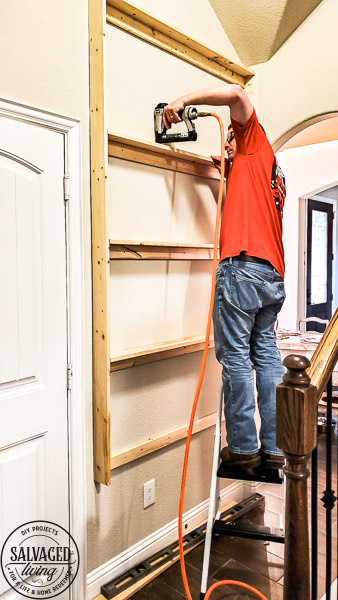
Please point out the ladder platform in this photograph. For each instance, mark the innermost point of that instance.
(249, 531)
(260, 473)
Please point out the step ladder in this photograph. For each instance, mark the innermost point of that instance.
(217, 526)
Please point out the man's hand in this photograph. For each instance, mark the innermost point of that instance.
(170, 112)
(225, 94)
(217, 163)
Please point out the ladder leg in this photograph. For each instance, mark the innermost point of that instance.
(214, 499)
(217, 501)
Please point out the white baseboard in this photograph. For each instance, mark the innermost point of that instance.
(158, 540)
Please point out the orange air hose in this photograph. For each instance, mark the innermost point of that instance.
(199, 385)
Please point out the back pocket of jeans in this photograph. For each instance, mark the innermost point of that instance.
(246, 289)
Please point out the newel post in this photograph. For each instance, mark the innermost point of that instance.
(297, 437)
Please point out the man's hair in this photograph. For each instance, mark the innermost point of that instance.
(230, 127)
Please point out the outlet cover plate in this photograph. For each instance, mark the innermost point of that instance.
(149, 493)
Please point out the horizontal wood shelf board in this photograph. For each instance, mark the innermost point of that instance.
(158, 244)
(165, 149)
(181, 343)
(152, 445)
(148, 354)
(160, 156)
(146, 27)
(143, 251)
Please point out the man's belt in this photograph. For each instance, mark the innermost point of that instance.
(253, 259)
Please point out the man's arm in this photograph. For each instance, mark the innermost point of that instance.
(226, 94)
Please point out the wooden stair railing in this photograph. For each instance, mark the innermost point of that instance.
(325, 357)
(297, 400)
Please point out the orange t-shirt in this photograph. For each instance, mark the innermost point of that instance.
(253, 207)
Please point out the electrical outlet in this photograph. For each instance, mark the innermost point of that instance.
(149, 493)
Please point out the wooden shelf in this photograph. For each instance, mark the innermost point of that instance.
(149, 29)
(109, 144)
(131, 250)
(160, 155)
(149, 354)
(152, 445)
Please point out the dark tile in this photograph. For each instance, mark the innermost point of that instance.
(173, 578)
(218, 556)
(251, 553)
(157, 589)
(236, 571)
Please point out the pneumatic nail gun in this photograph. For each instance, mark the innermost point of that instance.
(187, 115)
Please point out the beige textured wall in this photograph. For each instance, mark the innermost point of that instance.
(300, 80)
(194, 17)
(307, 170)
(44, 64)
(153, 302)
(296, 84)
(44, 55)
(149, 396)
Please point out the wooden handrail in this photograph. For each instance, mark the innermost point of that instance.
(325, 357)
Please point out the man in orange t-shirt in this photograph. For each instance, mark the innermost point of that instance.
(249, 284)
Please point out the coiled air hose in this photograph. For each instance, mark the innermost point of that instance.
(200, 381)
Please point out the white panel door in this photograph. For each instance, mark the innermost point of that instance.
(33, 329)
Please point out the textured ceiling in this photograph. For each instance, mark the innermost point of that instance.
(258, 28)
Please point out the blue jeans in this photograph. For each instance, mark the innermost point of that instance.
(248, 298)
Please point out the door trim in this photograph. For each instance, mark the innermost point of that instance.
(71, 130)
(303, 207)
(327, 208)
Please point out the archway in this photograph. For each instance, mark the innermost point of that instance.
(311, 167)
(316, 130)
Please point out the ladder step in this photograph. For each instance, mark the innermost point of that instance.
(260, 473)
(250, 531)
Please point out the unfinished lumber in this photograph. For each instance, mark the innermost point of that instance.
(161, 156)
(100, 245)
(149, 29)
(131, 250)
(152, 445)
(149, 354)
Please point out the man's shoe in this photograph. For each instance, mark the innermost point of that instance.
(244, 461)
(272, 461)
